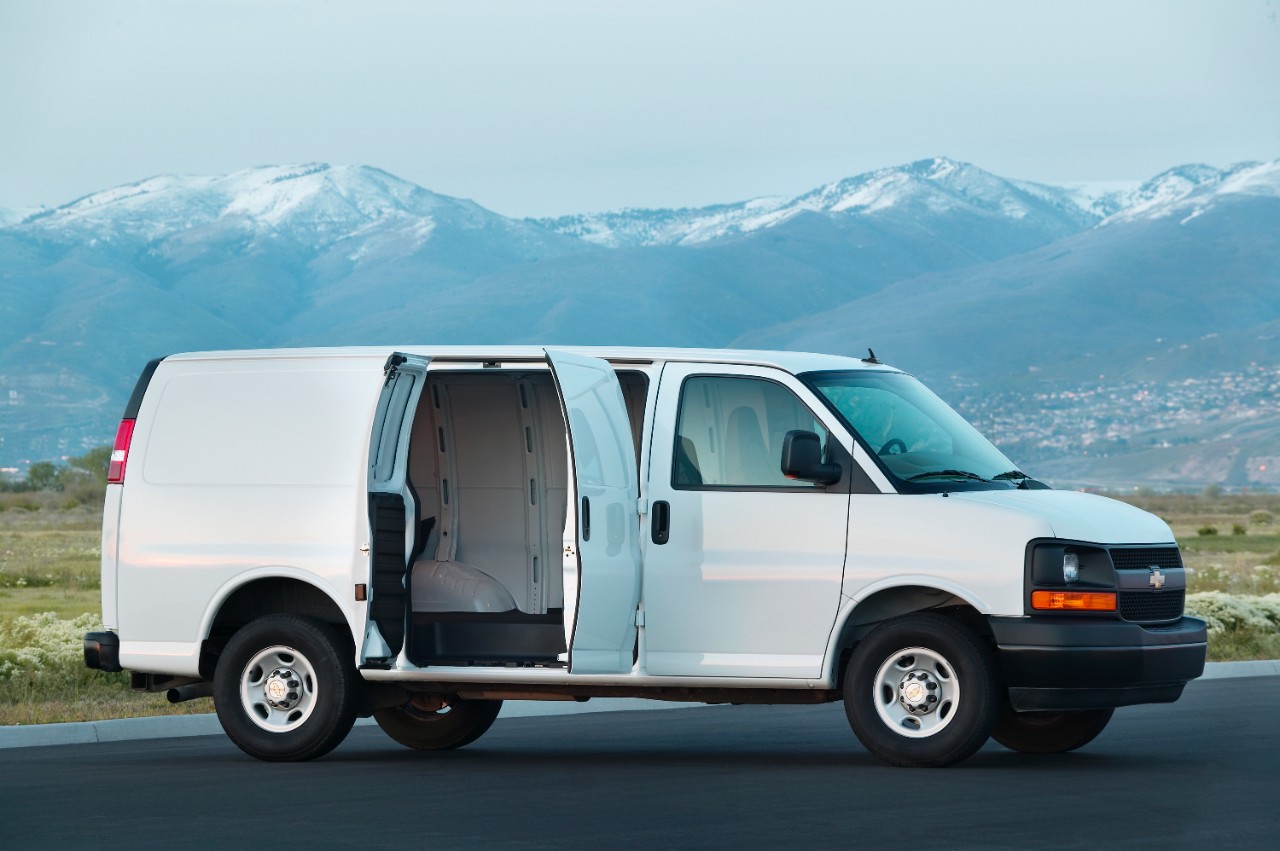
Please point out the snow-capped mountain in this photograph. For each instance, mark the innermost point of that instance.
(1185, 273)
(1188, 191)
(314, 204)
(934, 187)
(938, 264)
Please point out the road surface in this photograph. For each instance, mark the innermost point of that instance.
(1202, 772)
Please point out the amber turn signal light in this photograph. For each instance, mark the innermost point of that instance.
(1073, 601)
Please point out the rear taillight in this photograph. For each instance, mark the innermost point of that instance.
(120, 453)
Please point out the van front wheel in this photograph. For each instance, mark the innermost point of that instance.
(286, 688)
(922, 690)
(432, 722)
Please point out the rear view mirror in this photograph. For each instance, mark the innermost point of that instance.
(802, 459)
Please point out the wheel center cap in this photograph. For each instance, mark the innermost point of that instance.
(281, 689)
(918, 693)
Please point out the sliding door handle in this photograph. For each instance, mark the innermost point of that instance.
(660, 528)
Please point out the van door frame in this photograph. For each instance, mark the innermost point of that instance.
(390, 527)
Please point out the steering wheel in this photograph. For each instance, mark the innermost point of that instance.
(893, 447)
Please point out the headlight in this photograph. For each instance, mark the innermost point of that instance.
(1070, 567)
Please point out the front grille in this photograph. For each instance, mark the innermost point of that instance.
(1151, 606)
(1140, 558)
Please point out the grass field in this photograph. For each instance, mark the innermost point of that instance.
(50, 596)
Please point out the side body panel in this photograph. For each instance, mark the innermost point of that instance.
(969, 549)
(240, 468)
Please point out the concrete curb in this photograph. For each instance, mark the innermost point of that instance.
(176, 726)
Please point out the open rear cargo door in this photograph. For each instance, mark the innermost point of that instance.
(390, 504)
(601, 539)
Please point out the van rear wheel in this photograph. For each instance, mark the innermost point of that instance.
(1045, 732)
(921, 690)
(286, 688)
(433, 722)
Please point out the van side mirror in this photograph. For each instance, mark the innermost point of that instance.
(802, 459)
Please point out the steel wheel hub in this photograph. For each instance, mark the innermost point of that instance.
(918, 693)
(281, 689)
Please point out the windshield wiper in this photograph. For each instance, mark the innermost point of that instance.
(951, 474)
(1024, 481)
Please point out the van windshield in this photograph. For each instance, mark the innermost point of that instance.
(917, 437)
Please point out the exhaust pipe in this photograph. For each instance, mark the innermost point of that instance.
(191, 692)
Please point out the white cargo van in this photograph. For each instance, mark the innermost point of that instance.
(314, 535)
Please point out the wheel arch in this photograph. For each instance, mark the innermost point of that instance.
(265, 594)
(882, 602)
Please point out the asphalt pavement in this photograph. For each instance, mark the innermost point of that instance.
(173, 726)
(1197, 772)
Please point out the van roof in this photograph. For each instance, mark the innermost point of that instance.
(794, 362)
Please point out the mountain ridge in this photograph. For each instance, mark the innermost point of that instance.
(928, 261)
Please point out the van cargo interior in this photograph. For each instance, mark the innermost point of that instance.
(488, 469)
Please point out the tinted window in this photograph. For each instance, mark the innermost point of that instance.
(730, 432)
(917, 437)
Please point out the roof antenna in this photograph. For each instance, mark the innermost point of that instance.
(871, 356)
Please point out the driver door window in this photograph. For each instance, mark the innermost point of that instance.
(730, 431)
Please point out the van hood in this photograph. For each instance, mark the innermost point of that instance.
(1083, 517)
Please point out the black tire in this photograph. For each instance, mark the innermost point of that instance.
(917, 721)
(1045, 732)
(306, 664)
(421, 725)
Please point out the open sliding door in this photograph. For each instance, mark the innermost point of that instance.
(392, 510)
(601, 538)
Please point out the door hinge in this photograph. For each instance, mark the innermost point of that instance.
(392, 366)
(639, 617)
(642, 506)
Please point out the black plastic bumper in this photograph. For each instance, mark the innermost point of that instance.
(1083, 663)
(102, 651)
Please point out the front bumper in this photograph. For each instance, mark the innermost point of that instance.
(1066, 663)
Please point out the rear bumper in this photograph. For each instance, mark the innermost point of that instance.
(102, 651)
(1059, 664)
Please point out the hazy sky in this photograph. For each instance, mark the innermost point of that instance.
(535, 108)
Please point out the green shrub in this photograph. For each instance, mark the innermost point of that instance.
(1238, 529)
(1205, 531)
(1261, 518)
(43, 645)
(1226, 613)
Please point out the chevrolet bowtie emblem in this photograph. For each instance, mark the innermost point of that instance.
(1156, 579)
